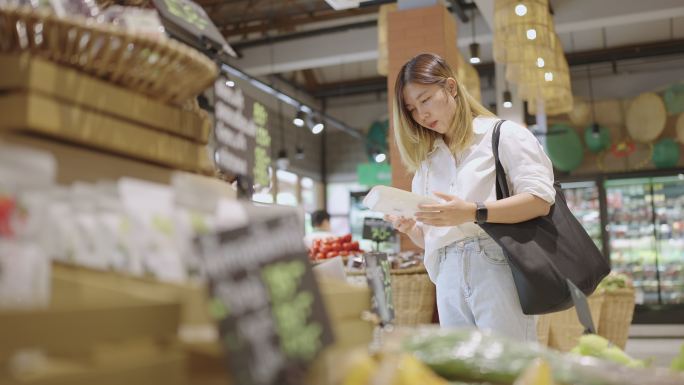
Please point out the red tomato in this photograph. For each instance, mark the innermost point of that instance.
(315, 250)
(336, 246)
(325, 249)
(347, 238)
(355, 245)
(332, 254)
(347, 246)
(320, 256)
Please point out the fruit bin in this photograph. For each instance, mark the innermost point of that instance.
(413, 294)
(616, 315)
(93, 332)
(562, 330)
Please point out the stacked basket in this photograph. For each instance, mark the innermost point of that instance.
(412, 292)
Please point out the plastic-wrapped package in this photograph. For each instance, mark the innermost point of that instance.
(137, 20)
(472, 355)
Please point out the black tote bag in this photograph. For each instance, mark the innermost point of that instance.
(544, 251)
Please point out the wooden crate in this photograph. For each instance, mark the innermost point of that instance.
(94, 333)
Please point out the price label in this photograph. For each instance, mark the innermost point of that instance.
(380, 283)
(378, 230)
(241, 133)
(264, 297)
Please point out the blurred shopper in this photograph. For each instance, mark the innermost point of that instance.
(445, 136)
(320, 221)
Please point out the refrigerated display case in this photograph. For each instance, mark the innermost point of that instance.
(631, 230)
(583, 201)
(668, 202)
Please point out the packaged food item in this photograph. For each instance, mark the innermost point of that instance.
(134, 19)
(394, 201)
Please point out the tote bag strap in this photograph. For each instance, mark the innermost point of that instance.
(501, 184)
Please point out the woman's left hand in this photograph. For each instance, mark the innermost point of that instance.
(453, 212)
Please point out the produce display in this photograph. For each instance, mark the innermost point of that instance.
(472, 355)
(614, 281)
(331, 247)
(596, 346)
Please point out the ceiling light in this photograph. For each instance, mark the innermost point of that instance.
(531, 34)
(282, 162)
(548, 76)
(318, 127)
(474, 53)
(299, 119)
(299, 152)
(230, 83)
(380, 157)
(540, 62)
(507, 99)
(520, 10)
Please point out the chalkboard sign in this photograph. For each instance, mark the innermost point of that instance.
(187, 21)
(380, 283)
(242, 139)
(264, 297)
(378, 230)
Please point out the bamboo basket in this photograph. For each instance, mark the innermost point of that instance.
(616, 316)
(564, 327)
(413, 294)
(159, 67)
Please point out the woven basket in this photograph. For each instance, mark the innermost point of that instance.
(616, 316)
(159, 67)
(413, 294)
(564, 327)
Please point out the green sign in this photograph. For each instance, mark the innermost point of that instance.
(372, 174)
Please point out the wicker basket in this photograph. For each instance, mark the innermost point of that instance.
(159, 67)
(564, 327)
(616, 316)
(413, 294)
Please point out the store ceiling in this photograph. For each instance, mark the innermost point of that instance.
(327, 52)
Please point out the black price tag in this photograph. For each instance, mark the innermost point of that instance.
(187, 21)
(378, 230)
(271, 317)
(380, 283)
(241, 133)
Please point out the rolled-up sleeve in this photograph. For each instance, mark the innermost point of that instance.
(527, 166)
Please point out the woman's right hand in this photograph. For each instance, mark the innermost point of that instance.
(400, 223)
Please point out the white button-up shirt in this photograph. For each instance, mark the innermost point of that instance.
(471, 176)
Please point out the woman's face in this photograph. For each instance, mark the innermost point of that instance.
(431, 106)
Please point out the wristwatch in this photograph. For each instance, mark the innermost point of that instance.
(481, 213)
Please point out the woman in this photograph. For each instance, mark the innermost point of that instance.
(445, 137)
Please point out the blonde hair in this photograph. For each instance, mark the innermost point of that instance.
(414, 141)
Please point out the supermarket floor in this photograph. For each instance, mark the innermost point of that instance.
(659, 342)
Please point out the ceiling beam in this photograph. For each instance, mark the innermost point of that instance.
(285, 23)
(638, 51)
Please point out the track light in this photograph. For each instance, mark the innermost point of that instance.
(507, 99)
(317, 127)
(521, 10)
(230, 83)
(282, 162)
(299, 119)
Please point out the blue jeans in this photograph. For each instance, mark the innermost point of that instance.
(475, 288)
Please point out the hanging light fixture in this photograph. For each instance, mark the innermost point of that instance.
(474, 46)
(507, 99)
(299, 119)
(282, 162)
(299, 152)
(378, 156)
